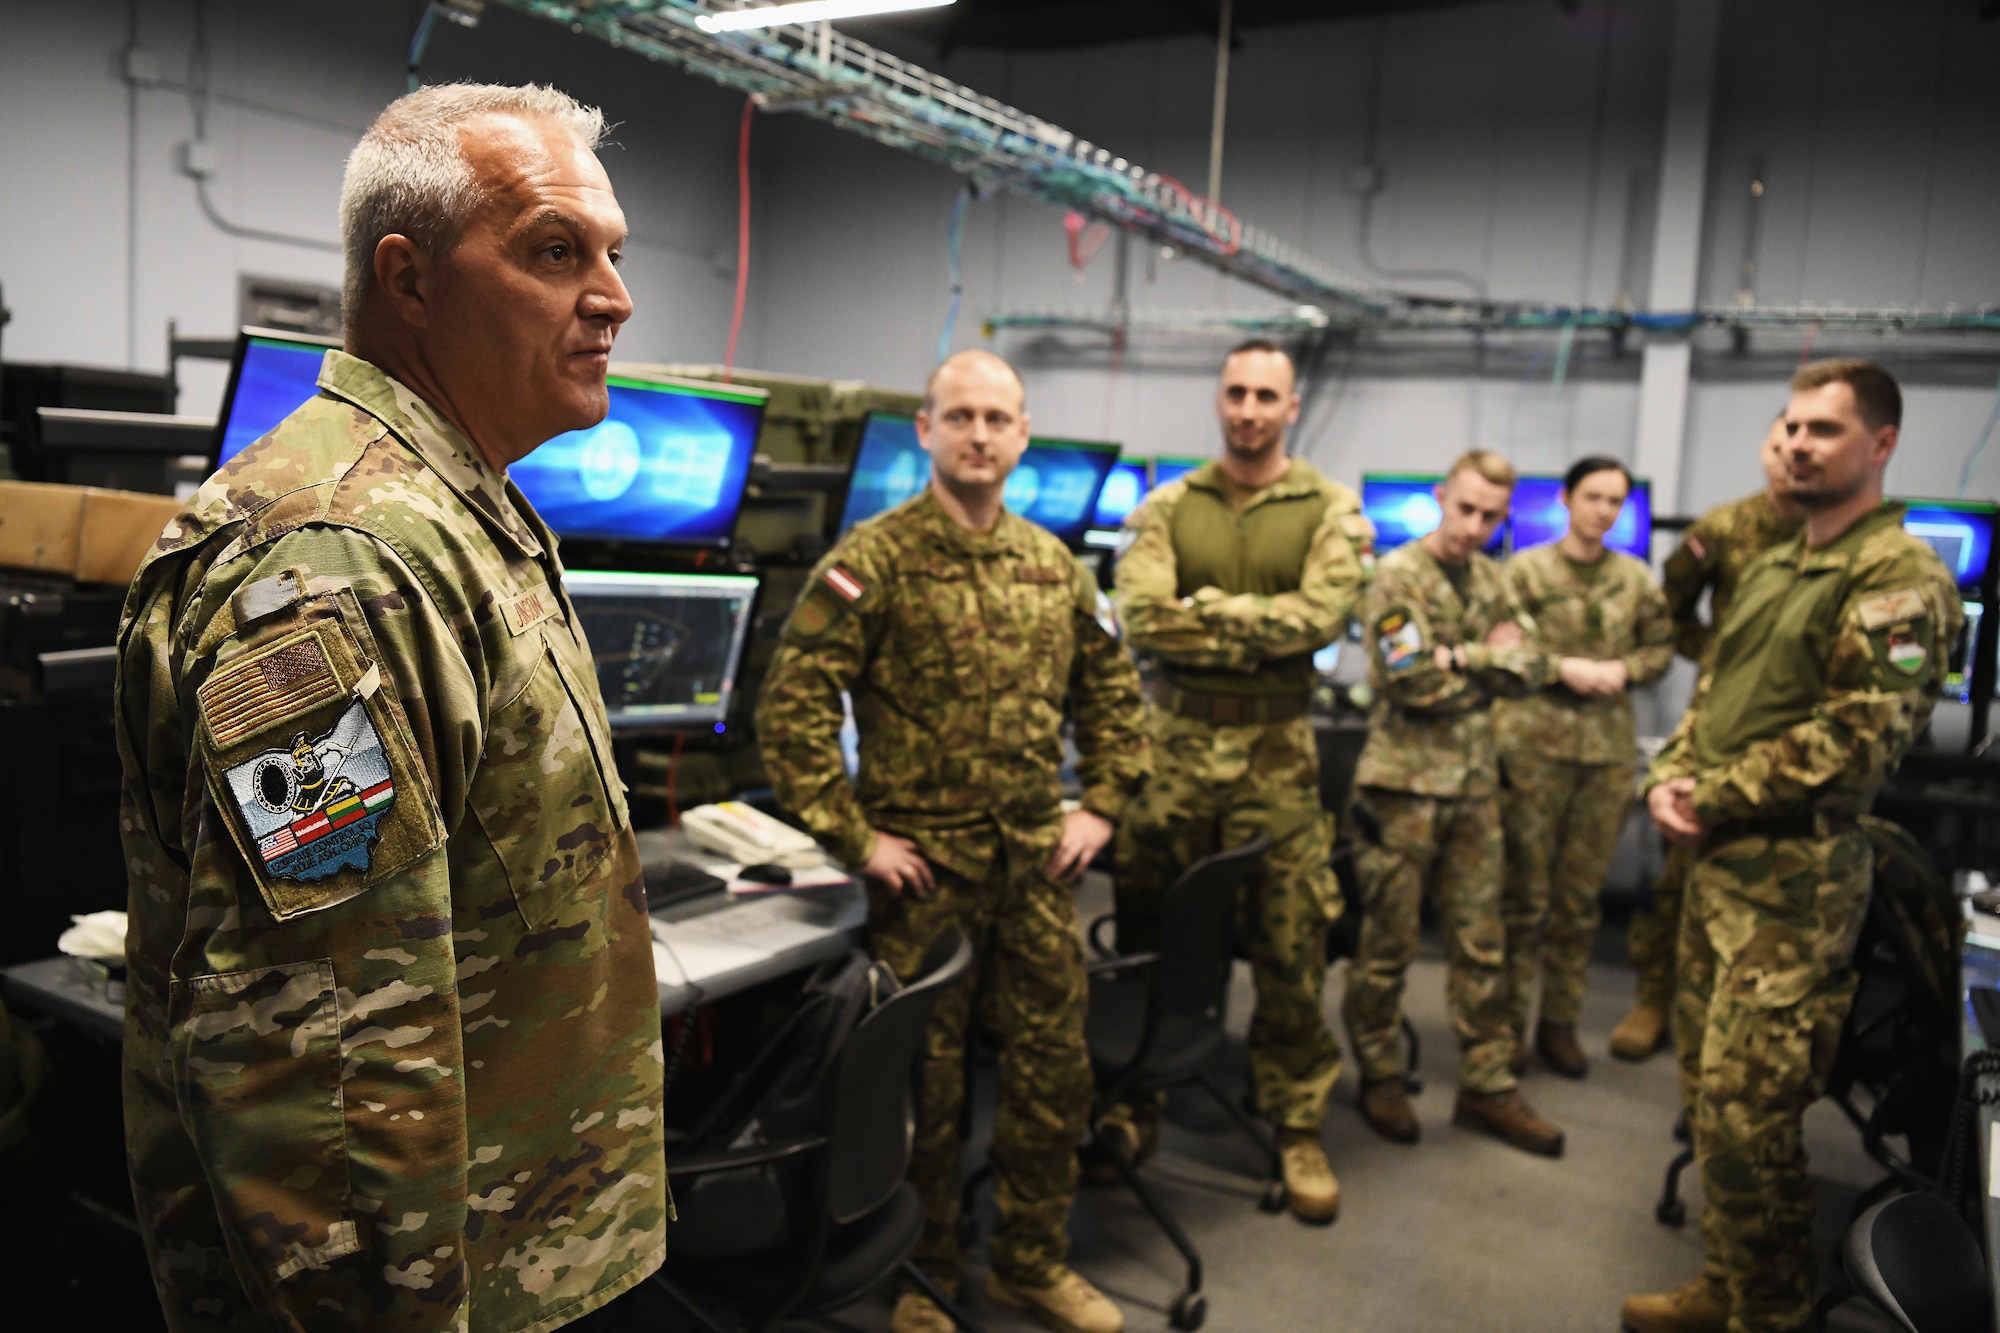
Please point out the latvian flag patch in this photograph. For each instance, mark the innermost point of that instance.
(845, 583)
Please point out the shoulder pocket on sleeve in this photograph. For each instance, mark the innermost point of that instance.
(312, 765)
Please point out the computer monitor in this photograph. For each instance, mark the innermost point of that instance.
(668, 465)
(666, 646)
(1057, 482)
(1172, 467)
(1959, 672)
(1539, 517)
(889, 467)
(1960, 531)
(1124, 488)
(271, 374)
(1403, 507)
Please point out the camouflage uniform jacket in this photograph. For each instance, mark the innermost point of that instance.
(1713, 554)
(1612, 611)
(392, 1046)
(1430, 732)
(961, 652)
(1827, 668)
(1289, 568)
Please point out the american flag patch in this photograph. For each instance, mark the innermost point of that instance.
(845, 583)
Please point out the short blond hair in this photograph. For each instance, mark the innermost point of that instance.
(408, 176)
(1487, 464)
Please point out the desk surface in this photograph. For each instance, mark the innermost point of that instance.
(703, 949)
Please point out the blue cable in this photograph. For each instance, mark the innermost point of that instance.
(957, 234)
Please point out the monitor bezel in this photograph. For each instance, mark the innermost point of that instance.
(243, 337)
(663, 726)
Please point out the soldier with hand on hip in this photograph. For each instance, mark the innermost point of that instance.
(964, 634)
(1825, 670)
(392, 1046)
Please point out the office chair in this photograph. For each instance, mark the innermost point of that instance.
(810, 1222)
(1913, 1258)
(1900, 1043)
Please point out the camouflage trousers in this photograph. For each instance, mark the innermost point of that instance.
(1652, 943)
(1406, 846)
(1215, 787)
(1767, 933)
(1562, 822)
(1029, 988)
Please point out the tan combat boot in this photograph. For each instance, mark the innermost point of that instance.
(1640, 1032)
(1385, 1105)
(1068, 1304)
(918, 1313)
(1312, 1191)
(1701, 1306)
(1556, 1043)
(1508, 1115)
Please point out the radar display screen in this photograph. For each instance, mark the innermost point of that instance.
(666, 646)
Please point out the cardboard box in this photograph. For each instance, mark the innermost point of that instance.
(90, 534)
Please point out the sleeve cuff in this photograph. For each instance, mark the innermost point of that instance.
(1105, 801)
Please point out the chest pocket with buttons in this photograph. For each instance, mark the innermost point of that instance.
(547, 795)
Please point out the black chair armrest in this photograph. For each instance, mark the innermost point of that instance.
(1094, 933)
(1118, 963)
(730, 1159)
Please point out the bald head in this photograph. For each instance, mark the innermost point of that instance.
(974, 366)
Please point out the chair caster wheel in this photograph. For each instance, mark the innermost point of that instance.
(1189, 1309)
(968, 1231)
(1671, 1213)
(1273, 1199)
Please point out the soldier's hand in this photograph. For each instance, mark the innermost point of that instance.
(1671, 804)
(1084, 835)
(1617, 675)
(897, 863)
(1506, 634)
(1588, 678)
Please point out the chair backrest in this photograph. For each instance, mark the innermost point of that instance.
(1193, 972)
(871, 1120)
(1914, 1259)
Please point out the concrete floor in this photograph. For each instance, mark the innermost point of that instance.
(1460, 1232)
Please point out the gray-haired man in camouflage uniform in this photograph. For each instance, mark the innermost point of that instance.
(393, 1041)
(964, 634)
(1827, 667)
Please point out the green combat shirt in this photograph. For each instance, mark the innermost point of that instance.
(1430, 732)
(1714, 552)
(962, 652)
(1609, 611)
(1289, 567)
(1826, 670)
(392, 1042)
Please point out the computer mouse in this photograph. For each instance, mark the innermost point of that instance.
(767, 874)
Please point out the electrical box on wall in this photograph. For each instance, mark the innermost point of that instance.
(281, 303)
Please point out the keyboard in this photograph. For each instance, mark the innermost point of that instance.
(671, 881)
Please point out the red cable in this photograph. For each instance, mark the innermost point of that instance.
(742, 237)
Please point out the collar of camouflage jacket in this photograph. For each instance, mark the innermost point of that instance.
(1007, 537)
(1301, 479)
(435, 440)
(1840, 552)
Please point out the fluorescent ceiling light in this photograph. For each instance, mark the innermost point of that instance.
(806, 11)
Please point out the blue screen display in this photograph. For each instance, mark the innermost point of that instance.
(1403, 506)
(889, 467)
(1055, 484)
(667, 464)
(1960, 531)
(1123, 489)
(275, 377)
(1173, 469)
(1540, 517)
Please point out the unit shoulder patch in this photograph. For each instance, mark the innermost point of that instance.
(1398, 641)
(1904, 604)
(1905, 651)
(314, 807)
(827, 602)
